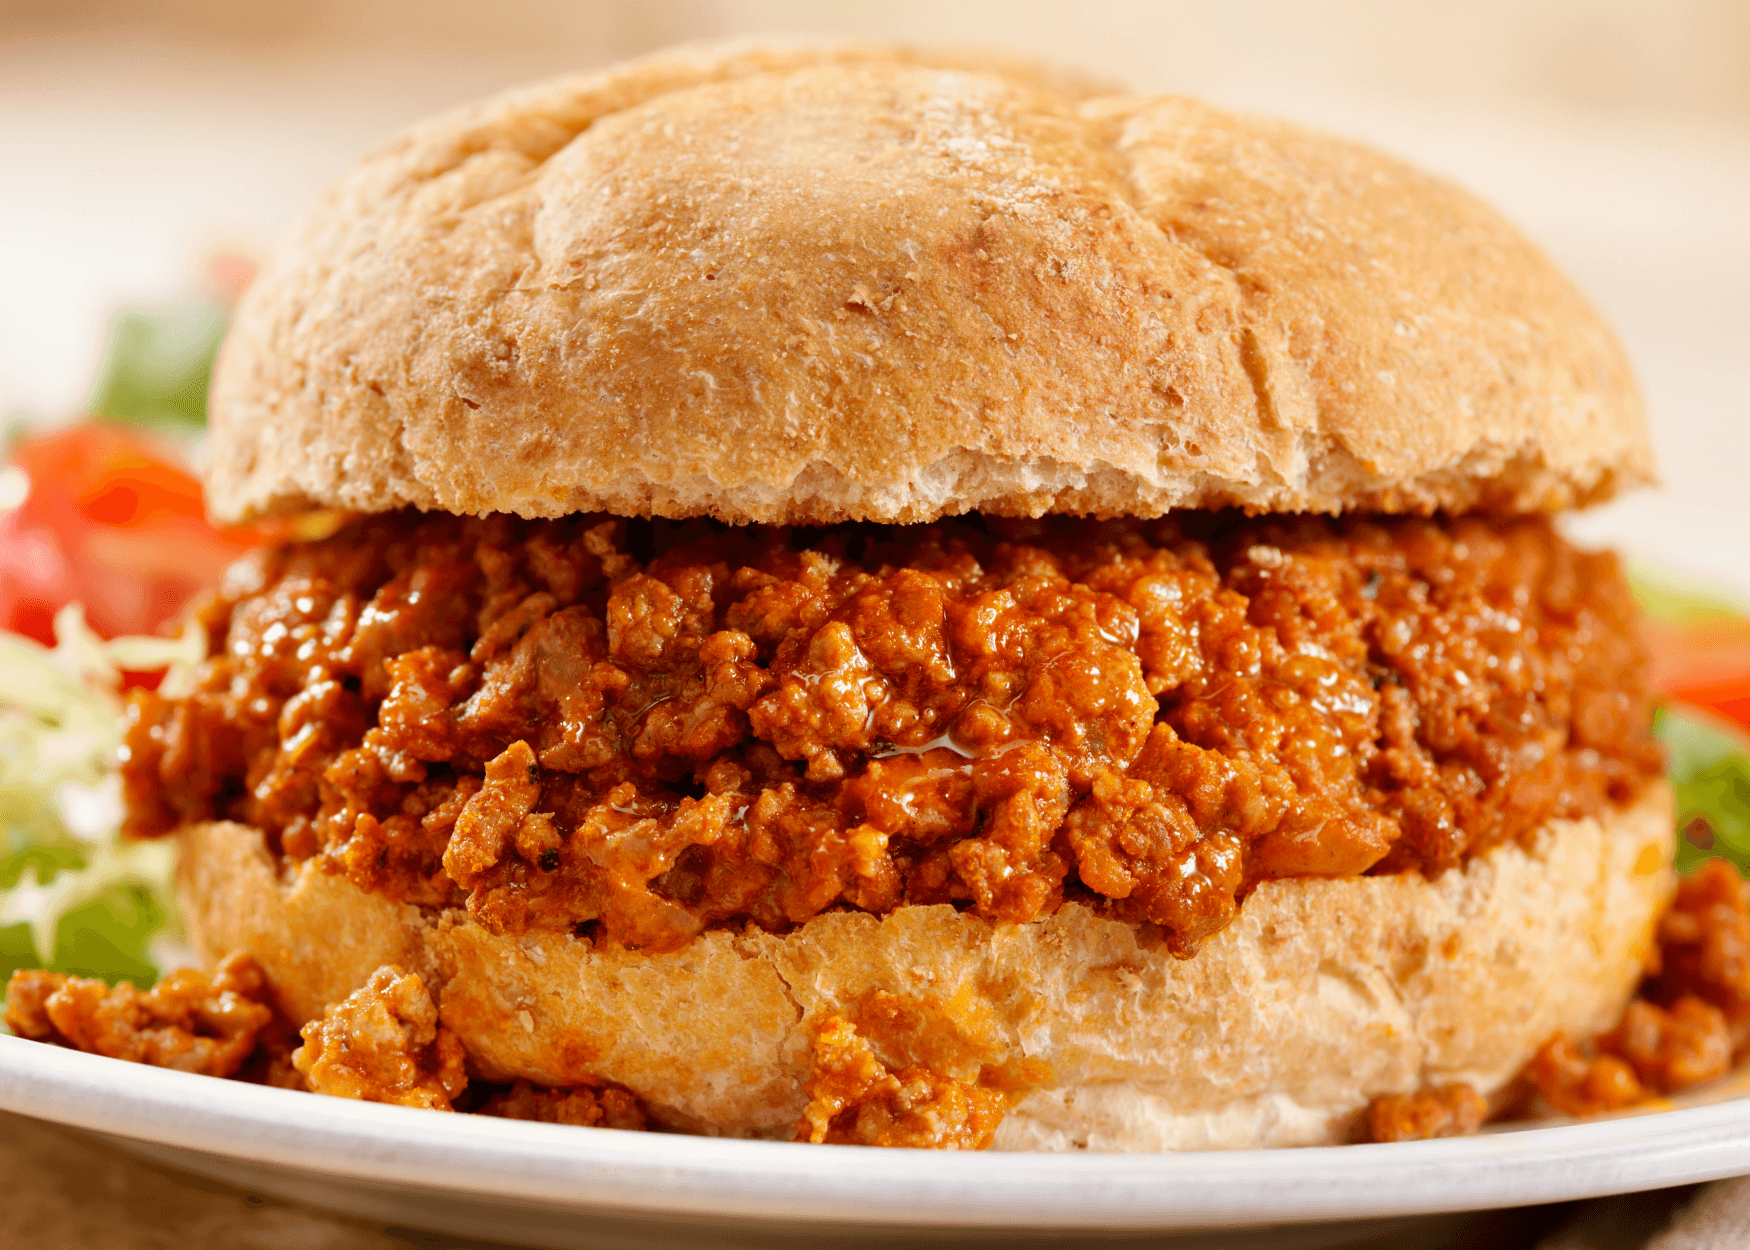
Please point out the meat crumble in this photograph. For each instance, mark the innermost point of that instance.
(1690, 1021)
(383, 1043)
(1434, 1111)
(854, 1099)
(636, 730)
(187, 1021)
(582, 1106)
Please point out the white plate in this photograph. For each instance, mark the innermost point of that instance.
(567, 1187)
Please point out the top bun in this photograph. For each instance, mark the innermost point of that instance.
(802, 284)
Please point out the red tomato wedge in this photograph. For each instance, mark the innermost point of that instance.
(110, 520)
(1704, 663)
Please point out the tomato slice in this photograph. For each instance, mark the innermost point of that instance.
(1704, 663)
(112, 520)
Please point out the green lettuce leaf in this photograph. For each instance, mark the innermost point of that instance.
(1710, 771)
(1667, 596)
(157, 363)
(110, 937)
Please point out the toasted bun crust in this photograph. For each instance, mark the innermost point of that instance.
(1321, 996)
(803, 284)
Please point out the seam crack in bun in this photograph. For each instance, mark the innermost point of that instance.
(886, 284)
(1325, 993)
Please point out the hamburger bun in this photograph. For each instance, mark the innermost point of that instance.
(1322, 995)
(811, 284)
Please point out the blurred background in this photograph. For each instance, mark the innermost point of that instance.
(139, 136)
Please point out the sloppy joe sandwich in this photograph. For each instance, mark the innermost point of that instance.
(926, 598)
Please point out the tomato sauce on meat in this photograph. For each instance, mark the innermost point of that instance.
(636, 730)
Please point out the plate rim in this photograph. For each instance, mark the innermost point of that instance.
(648, 1174)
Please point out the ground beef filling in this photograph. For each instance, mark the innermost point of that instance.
(636, 730)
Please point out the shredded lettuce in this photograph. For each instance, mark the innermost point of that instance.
(74, 895)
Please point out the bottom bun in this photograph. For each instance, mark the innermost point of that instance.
(1322, 995)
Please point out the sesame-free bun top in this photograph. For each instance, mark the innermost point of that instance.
(800, 283)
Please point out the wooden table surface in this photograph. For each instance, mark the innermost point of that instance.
(64, 1190)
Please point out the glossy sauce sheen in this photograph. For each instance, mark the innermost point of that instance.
(636, 730)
